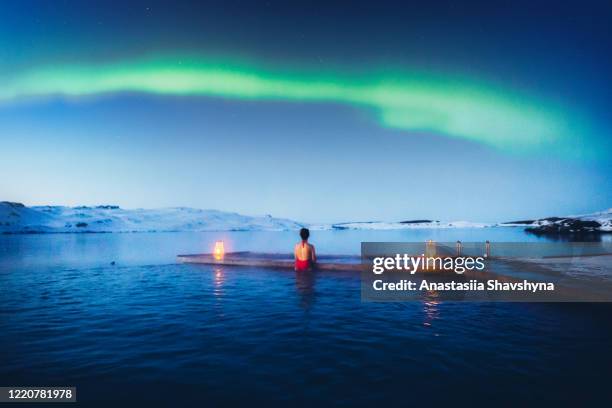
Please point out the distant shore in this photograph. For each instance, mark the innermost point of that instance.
(16, 218)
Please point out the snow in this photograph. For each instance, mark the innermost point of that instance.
(379, 225)
(594, 222)
(16, 218)
(603, 217)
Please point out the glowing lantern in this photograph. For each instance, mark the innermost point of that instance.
(219, 250)
(430, 248)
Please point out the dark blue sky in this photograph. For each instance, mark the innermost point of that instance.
(314, 160)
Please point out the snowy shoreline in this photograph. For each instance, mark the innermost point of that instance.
(599, 222)
(16, 218)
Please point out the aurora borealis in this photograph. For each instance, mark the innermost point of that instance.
(495, 117)
(315, 111)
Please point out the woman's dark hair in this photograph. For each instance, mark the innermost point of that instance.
(304, 233)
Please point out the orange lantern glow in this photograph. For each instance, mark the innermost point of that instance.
(430, 248)
(219, 250)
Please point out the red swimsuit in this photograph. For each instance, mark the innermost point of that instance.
(302, 265)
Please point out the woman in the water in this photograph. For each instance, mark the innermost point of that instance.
(304, 253)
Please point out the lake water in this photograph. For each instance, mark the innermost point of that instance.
(149, 330)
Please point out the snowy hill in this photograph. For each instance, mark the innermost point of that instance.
(575, 224)
(17, 218)
(603, 218)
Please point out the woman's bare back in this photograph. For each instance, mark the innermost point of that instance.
(304, 252)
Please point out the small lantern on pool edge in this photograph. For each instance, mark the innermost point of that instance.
(219, 250)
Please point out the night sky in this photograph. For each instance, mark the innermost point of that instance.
(313, 111)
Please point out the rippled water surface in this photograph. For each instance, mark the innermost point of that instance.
(149, 330)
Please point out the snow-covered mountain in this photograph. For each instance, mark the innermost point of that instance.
(17, 218)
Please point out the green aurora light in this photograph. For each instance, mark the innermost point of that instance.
(508, 121)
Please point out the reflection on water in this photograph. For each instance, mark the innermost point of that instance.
(219, 280)
(305, 285)
(431, 307)
(151, 331)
